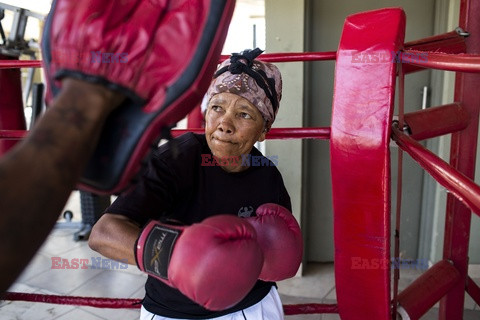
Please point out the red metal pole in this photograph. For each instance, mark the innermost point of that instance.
(442, 61)
(13, 134)
(427, 289)
(462, 157)
(195, 118)
(473, 290)
(436, 121)
(15, 64)
(450, 42)
(457, 183)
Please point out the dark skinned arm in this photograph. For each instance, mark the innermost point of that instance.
(114, 237)
(38, 175)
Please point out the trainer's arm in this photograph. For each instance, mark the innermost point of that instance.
(114, 236)
(37, 176)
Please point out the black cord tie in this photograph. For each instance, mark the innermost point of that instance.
(238, 66)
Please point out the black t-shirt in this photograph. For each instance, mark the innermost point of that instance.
(177, 186)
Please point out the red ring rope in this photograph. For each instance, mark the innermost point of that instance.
(435, 60)
(13, 64)
(13, 134)
(276, 133)
(268, 57)
(294, 56)
(118, 303)
(77, 301)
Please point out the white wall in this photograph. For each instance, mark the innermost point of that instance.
(284, 33)
(240, 33)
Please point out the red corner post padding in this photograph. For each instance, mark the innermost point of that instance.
(11, 104)
(360, 161)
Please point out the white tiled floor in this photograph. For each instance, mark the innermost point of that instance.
(316, 286)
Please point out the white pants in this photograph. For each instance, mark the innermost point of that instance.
(269, 308)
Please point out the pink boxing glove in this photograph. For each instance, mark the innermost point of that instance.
(280, 238)
(214, 263)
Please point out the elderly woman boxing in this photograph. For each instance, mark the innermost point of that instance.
(209, 221)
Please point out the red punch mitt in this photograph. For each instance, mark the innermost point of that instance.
(215, 263)
(161, 54)
(280, 238)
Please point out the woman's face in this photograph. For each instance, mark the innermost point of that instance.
(232, 126)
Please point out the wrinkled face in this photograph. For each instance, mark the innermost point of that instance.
(232, 125)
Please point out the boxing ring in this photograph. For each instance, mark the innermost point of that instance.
(362, 128)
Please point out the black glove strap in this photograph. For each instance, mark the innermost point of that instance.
(158, 249)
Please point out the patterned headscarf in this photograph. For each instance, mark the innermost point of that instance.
(258, 82)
